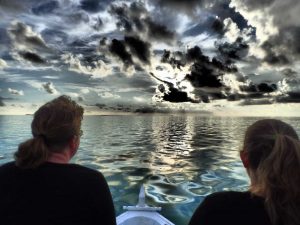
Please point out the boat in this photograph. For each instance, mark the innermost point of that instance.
(142, 214)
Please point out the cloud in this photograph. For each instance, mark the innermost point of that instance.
(12, 6)
(211, 25)
(158, 31)
(108, 95)
(80, 98)
(32, 57)
(85, 91)
(198, 78)
(256, 102)
(139, 48)
(283, 48)
(45, 7)
(135, 19)
(170, 93)
(117, 48)
(49, 87)
(96, 68)
(277, 28)
(188, 7)
(15, 92)
(237, 50)
(24, 38)
(290, 97)
(94, 6)
(289, 73)
(3, 64)
(232, 30)
(2, 102)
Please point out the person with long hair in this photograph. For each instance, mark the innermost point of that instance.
(41, 186)
(271, 156)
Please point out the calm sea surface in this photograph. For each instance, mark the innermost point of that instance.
(179, 158)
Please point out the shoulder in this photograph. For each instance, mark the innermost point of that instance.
(228, 195)
(230, 199)
(7, 167)
(230, 208)
(72, 169)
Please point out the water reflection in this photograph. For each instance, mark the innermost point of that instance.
(180, 158)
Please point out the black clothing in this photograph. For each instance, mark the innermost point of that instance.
(231, 208)
(54, 194)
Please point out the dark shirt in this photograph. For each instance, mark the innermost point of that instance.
(231, 208)
(54, 194)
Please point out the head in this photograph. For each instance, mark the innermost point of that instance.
(55, 128)
(271, 155)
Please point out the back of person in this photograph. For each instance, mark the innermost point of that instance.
(42, 187)
(271, 157)
(54, 194)
(231, 208)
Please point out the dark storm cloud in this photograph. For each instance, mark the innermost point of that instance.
(45, 7)
(284, 47)
(175, 95)
(20, 33)
(48, 87)
(223, 10)
(122, 13)
(271, 56)
(94, 6)
(176, 60)
(171, 93)
(290, 97)
(136, 19)
(236, 50)
(139, 48)
(256, 102)
(266, 88)
(118, 48)
(158, 31)
(206, 75)
(261, 88)
(206, 72)
(32, 57)
(202, 75)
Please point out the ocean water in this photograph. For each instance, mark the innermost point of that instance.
(179, 158)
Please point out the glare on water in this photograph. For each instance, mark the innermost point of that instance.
(179, 158)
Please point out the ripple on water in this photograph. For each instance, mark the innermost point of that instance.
(162, 191)
(198, 189)
(180, 159)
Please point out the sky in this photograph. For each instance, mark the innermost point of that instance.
(220, 57)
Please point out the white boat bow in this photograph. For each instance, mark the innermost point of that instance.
(142, 214)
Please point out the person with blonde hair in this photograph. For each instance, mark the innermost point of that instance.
(271, 156)
(41, 186)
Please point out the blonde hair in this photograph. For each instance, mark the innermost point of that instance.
(53, 125)
(273, 150)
